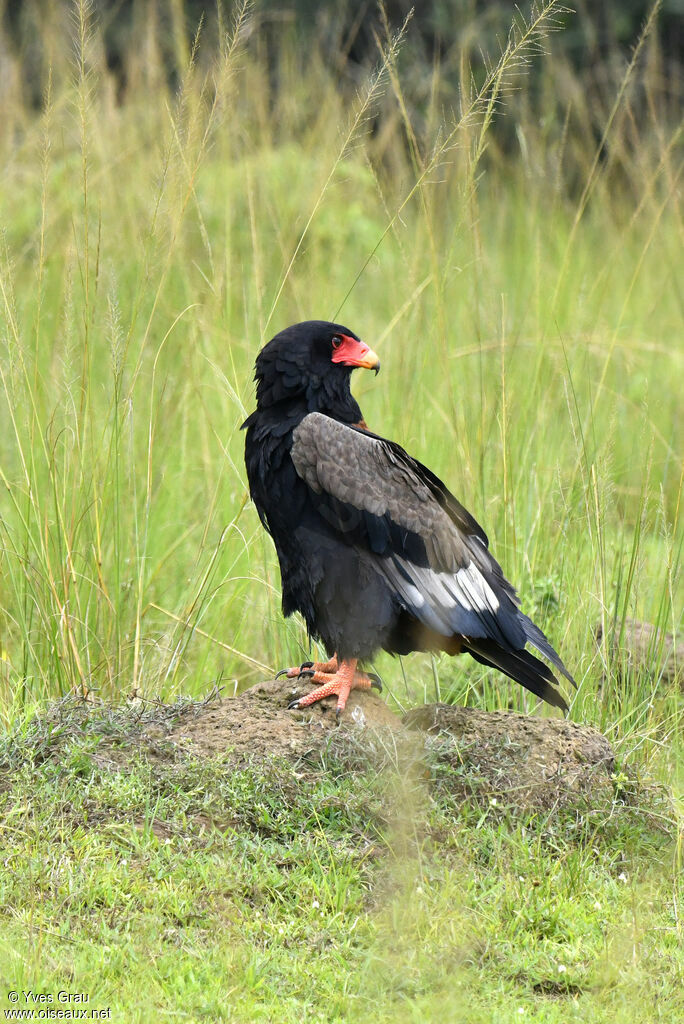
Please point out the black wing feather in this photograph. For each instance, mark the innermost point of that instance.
(522, 666)
(431, 551)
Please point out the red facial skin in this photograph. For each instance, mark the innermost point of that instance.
(352, 352)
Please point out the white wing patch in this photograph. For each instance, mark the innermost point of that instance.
(435, 595)
(474, 591)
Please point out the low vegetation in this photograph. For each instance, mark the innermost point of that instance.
(328, 890)
(512, 256)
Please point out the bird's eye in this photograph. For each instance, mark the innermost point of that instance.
(337, 341)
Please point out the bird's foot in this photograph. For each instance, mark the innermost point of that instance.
(341, 682)
(308, 669)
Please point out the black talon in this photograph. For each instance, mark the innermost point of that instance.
(305, 674)
(376, 681)
(302, 670)
(294, 705)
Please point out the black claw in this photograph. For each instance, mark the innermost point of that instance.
(294, 705)
(376, 681)
(338, 715)
(305, 674)
(302, 670)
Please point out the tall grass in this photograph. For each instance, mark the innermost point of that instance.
(520, 285)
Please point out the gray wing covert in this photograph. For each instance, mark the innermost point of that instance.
(443, 575)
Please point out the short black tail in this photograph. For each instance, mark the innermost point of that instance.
(522, 666)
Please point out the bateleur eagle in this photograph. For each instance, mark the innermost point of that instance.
(374, 551)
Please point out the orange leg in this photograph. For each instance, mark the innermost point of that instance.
(341, 683)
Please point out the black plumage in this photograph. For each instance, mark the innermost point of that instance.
(374, 550)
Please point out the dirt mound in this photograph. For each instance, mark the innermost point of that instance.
(493, 758)
(257, 724)
(524, 760)
(529, 761)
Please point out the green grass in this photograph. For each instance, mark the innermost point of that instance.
(191, 888)
(521, 288)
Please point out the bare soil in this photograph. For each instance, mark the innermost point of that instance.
(257, 724)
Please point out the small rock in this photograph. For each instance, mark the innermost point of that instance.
(642, 647)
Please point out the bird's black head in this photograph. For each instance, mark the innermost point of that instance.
(312, 362)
